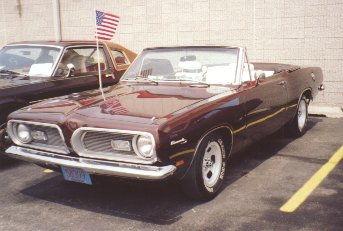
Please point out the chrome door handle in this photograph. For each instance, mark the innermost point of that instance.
(109, 75)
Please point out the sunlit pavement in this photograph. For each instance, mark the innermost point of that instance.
(259, 182)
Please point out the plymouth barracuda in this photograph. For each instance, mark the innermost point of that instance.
(32, 71)
(177, 112)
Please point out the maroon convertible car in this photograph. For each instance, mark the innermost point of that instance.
(177, 112)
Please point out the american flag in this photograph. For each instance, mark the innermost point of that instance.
(113, 107)
(106, 25)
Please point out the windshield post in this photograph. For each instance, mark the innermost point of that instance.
(240, 66)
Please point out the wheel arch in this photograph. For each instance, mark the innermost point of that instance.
(225, 131)
(307, 93)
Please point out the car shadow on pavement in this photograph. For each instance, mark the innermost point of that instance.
(245, 161)
(8, 163)
(159, 203)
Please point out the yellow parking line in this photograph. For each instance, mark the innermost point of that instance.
(301, 195)
(48, 171)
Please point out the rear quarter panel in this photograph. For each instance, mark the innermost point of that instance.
(301, 80)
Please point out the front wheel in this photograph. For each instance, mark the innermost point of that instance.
(298, 124)
(205, 176)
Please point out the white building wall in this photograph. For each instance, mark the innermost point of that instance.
(308, 32)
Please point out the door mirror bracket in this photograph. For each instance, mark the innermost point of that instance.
(71, 70)
(260, 76)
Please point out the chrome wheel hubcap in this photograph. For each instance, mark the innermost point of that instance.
(211, 164)
(302, 112)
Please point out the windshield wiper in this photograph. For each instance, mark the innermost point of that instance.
(4, 71)
(197, 83)
(144, 78)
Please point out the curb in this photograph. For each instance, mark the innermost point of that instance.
(327, 111)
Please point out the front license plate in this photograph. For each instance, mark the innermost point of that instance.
(76, 175)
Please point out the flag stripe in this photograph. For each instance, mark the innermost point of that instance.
(106, 29)
(113, 15)
(104, 34)
(108, 26)
(110, 18)
(103, 38)
(106, 20)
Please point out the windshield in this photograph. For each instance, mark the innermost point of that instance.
(28, 60)
(211, 65)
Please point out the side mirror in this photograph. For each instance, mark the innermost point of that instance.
(71, 70)
(260, 75)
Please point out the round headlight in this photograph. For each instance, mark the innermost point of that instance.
(24, 133)
(145, 146)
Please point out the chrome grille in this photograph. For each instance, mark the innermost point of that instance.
(97, 143)
(55, 141)
(101, 142)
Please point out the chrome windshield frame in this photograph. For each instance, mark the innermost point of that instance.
(239, 69)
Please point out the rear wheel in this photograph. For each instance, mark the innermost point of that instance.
(205, 176)
(298, 124)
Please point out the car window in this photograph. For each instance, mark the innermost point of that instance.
(84, 60)
(119, 57)
(29, 60)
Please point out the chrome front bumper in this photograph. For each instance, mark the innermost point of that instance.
(92, 166)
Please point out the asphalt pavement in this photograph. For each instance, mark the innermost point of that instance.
(259, 182)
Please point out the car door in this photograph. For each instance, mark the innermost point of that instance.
(84, 71)
(265, 106)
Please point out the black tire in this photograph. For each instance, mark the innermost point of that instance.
(199, 185)
(297, 126)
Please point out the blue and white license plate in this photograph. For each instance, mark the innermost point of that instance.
(76, 175)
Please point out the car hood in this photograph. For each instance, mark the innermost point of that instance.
(143, 103)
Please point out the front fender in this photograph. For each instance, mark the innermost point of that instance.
(179, 144)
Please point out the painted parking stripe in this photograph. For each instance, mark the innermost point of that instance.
(48, 171)
(301, 195)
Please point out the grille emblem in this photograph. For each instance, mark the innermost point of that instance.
(121, 145)
(39, 135)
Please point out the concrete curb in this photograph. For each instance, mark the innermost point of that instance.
(328, 111)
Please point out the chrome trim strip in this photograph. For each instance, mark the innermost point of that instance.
(13, 136)
(92, 166)
(78, 146)
(33, 45)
